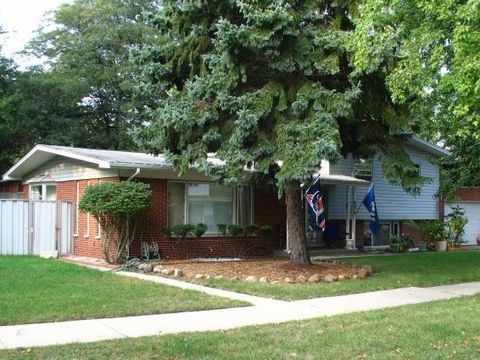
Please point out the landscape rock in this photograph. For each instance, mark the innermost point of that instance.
(208, 277)
(301, 279)
(141, 266)
(288, 280)
(363, 273)
(158, 269)
(263, 279)
(250, 279)
(219, 277)
(355, 276)
(369, 268)
(314, 278)
(148, 268)
(178, 272)
(234, 278)
(341, 277)
(275, 282)
(198, 276)
(329, 278)
(167, 271)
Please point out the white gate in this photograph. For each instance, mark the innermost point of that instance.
(31, 227)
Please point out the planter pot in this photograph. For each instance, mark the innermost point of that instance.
(441, 245)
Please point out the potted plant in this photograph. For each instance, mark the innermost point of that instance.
(438, 234)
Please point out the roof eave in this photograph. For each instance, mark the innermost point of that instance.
(10, 174)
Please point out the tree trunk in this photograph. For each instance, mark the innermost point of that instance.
(296, 224)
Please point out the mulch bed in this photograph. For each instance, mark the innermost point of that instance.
(272, 270)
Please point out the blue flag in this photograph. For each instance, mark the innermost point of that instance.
(315, 207)
(371, 205)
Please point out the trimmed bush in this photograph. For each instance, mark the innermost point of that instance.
(116, 206)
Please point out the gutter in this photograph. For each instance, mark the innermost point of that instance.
(135, 174)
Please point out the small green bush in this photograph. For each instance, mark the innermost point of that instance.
(234, 230)
(200, 230)
(222, 229)
(182, 230)
(401, 243)
(249, 230)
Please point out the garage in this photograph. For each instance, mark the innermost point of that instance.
(472, 212)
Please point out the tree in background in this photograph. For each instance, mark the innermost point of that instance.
(270, 85)
(435, 71)
(90, 46)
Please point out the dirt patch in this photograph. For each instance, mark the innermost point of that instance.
(270, 270)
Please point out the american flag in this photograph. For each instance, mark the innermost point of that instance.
(315, 207)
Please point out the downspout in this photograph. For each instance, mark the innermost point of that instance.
(137, 171)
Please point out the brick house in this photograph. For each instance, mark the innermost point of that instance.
(63, 173)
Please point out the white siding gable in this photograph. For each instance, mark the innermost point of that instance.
(64, 169)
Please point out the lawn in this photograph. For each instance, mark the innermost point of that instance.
(440, 330)
(397, 270)
(38, 290)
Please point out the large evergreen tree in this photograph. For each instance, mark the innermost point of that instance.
(268, 84)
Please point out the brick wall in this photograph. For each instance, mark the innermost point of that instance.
(468, 193)
(268, 211)
(11, 187)
(87, 241)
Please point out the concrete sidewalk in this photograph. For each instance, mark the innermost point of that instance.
(264, 312)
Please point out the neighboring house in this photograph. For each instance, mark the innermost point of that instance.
(62, 173)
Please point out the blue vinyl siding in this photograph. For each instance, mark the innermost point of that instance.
(392, 201)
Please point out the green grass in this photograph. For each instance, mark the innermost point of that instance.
(39, 290)
(397, 270)
(439, 330)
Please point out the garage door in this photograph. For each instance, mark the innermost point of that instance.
(472, 212)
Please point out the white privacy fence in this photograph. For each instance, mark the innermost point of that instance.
(31, 227)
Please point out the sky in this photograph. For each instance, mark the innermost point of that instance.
(20, 19)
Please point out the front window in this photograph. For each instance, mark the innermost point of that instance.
(208, 203)
(43, 192)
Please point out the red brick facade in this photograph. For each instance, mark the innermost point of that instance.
(268, 211)
(88, 241)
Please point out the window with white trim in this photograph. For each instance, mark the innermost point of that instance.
(208, 203)
(43, 192)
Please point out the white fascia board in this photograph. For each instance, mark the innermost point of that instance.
(101, 164)
(7, 176)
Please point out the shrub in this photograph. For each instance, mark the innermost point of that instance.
(456, 222)
(234, 230)
(199, 230)
(249, 230)
(222, 229)
(401, 243)
(116, 207)
(183, 230)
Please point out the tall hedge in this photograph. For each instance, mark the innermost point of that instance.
(116, 206)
